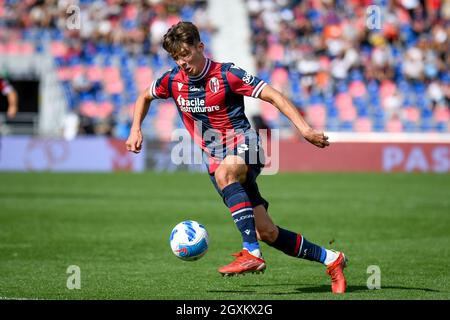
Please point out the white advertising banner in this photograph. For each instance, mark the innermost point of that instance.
(83, 154)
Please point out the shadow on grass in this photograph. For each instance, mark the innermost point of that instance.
(326, 288)
(252, 292)
(314, 289)
(231, 291)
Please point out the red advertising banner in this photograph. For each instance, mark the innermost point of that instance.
(83, 154)
(365, 156)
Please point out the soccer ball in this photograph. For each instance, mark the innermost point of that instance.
(189, 240)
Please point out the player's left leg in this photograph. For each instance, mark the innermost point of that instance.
(291, 243)
(295, 245)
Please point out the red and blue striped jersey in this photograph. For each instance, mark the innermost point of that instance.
(214, 100)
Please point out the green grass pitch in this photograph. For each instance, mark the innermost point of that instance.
(115, 227)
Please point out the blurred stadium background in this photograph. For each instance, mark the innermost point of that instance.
(373, 74)
(364, 71)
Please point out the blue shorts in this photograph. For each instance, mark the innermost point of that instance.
(251, 152)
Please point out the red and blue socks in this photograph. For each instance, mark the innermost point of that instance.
(295, 245)
(242, 213)
(290, 243)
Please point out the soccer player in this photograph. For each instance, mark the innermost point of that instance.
(209, 98)
(7, 90)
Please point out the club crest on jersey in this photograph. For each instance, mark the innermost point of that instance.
(214, 85)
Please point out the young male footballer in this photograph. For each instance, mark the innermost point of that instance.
(210, 101)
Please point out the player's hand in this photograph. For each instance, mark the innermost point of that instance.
(317, 138)
(134, 142)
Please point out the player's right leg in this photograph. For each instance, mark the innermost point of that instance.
(228, 179)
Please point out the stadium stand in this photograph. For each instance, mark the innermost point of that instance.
(346, 76)
(341, 74)
(103, 65)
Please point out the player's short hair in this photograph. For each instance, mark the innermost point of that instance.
(183, 32)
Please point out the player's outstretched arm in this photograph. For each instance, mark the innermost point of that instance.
(134, 141)
(286, 107)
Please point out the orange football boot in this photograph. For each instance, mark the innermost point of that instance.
(336, 271)
(245, 262)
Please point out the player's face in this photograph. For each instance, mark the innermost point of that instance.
(191, 59)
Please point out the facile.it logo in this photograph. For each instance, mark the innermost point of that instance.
(195, 105)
